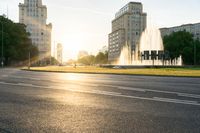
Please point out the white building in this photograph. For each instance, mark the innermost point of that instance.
(194, 29)
(60, 53)
(34, 15)
(127, 27)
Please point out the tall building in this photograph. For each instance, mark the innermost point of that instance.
(127, 27)
(82, 54)
(34, 15)
(60, 53)
(191, 28)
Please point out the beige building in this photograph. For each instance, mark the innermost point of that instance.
(60, 53)
(34, 15)
(191, 28)
(127, 27)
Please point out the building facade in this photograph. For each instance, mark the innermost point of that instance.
(127, 27)
(33, 14)
(60, 53)
(194, 29)
(82, 54)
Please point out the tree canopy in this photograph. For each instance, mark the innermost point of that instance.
(16, 42)
(100, 58)
(183, 44)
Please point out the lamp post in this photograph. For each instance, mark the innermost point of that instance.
(29, 60)
(2, 58)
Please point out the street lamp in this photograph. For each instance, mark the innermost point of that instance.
(29, 60)
(2, 58)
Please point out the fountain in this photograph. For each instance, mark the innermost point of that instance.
(149, 51)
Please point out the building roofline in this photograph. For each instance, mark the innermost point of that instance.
(138, 3)
(132, 2)
(126, 13)
(190, 24)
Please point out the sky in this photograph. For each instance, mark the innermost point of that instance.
(85, 24)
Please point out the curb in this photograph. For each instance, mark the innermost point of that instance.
(150, 75)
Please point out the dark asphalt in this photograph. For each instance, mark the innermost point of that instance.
(60, 102)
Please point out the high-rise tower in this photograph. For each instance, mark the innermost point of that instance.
(127, 27)
(60, 53)
(34, 15)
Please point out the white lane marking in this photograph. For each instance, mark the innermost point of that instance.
(157, 99)
(188, 95)
(25, 78)
(176, 100)
(145, 90)
(124, 88)
(106, 92)
(120, 87)
(18, 77)
(24, 85)
(130, 88)
(148, 90)
(90, 84)
(176, 93)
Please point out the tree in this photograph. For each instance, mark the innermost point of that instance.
(101, 58)
(181, 43)
(197, 49)
(87, 60)
(17, 44)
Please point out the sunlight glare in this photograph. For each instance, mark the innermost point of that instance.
(73, 44)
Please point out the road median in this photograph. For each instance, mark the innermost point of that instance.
(172, 72)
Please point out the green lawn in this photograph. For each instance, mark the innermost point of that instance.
(183, 72)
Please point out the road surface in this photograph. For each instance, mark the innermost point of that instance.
(97, 103)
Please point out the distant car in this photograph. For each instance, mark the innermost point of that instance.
(117, 67)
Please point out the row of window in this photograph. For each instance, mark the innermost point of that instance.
(29, 9)
(114, 45)
(114, 50)
(114, 34)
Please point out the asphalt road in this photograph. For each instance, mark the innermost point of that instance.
(57, 102)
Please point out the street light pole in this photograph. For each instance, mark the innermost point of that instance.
(29, 60)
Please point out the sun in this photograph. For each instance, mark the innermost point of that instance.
(72, 44)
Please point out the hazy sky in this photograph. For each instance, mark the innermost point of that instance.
(85, 24)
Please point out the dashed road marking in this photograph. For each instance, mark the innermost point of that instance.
(107, 93)
(176, 101)
(119, 87)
